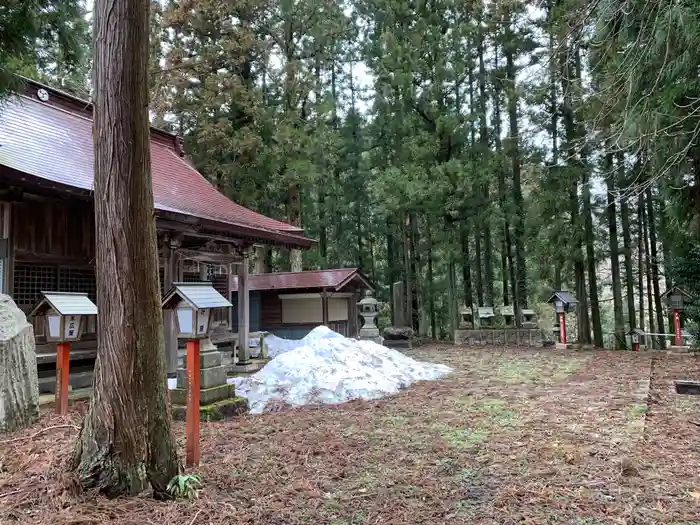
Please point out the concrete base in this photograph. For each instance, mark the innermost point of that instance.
(563, 346)
(379, 339)
(235, 406)
(673, 349)
(207, 396)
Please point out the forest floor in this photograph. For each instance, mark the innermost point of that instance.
(513, 436)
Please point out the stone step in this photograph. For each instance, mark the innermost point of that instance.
(76, 380)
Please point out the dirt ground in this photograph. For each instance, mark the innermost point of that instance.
(513, 436)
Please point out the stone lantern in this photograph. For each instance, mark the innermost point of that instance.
(369, 309)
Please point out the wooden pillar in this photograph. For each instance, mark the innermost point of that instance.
(324, 307)
(192, 416)
(171, 274)
(243, 312)
(62, 377)
(7, 271)
(353, 324)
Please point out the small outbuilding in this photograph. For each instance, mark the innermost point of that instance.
(291, 304)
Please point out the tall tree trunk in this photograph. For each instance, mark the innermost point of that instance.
(431, 284)
(611, 176)
(506, 249)
(126, 439)
(627, 245)
(640, 258)
(651, 221)
(517, 192)
(666, 250)
(572, 135)
(410, 276)
(485, 213)
(478, 267)
(591, 262)
(647, 268)
(294, 217)
(390, 260)
(416, 270)
(466, 267)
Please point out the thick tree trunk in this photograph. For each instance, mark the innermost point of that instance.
(478, 268)
(296, 262)
(620, 337)
(466, 267)
(126, 439)
(627, 245)
(591, 263)
(431, 284)
(651, 221)
(640, 258)
(647, 268)
(518, 204)
(416, 270)
(485, 213)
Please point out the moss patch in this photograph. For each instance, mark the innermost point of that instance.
(228, 408)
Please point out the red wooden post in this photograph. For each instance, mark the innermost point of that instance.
(636, 346)
(62, 376)
(193, 402)
(562, 327)
(677, 327)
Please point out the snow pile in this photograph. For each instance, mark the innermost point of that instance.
(326, 367)
(277, 345)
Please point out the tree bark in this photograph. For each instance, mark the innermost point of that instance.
(126, 439)
(466, 267)
(620, 337)
(647, 268)
(654, 252)
(627, 245)
(431, 291)
(591, 262)
(640, 258)
(518, 204)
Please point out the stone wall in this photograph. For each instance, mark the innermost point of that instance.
(533, 337)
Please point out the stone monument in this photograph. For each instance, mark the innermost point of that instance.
(19, 382)
(369, 309)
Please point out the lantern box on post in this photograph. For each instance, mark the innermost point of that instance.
(65, 316)
(193, 303)
(563, 303)
(637, 336)
(676, 300)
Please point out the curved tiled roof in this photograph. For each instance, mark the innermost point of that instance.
(55, 144)
(332, 279)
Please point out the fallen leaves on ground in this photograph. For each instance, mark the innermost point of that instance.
(513, 436)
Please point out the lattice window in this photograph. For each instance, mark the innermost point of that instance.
(78, 280)
(30, 280)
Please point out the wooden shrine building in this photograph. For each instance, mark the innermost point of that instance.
(47, 232)
(291, 304)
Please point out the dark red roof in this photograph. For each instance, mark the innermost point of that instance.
(55, 144)
(333, 280)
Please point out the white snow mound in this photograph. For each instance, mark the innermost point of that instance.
(278, 345)
(327, 368)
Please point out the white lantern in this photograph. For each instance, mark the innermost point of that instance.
(635, 337)
(193, 303)
(559, 306)
(64, 314)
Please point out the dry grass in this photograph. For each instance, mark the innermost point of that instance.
(512, 437)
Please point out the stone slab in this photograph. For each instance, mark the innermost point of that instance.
(398, 344)
(207, 396)
(208, 377)
(210, 359)
(563, 346)
(228, 408)
(248, 368)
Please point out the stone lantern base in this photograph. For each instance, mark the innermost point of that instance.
(217, 398)
(370, 334)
